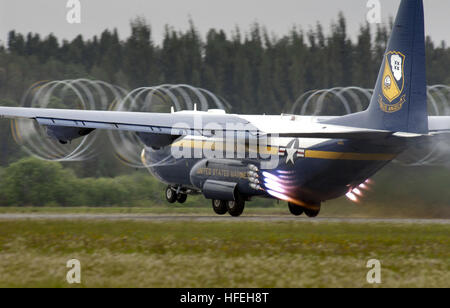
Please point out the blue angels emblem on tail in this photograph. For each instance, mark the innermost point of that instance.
(393, 82)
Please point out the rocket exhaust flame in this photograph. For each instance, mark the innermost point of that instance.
(278, 188)
(274, 187)
(357, 192)
(352, 197)
(368, 181)
(278, 195)
(287, 182)
(268, 175)
(363, 186)
(286, 172)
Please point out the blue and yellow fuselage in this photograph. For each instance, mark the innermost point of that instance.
(323, 171)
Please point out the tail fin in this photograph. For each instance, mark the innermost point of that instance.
(399, 101)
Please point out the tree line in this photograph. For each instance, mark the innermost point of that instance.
(32, 182)
(254, 71)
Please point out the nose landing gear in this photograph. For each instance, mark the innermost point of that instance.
(181, 198)
(171, 195)
(175, 195)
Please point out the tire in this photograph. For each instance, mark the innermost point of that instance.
(295, 209)
(171, 195)
(182, 198)
(312, 213)
(236, 208)
(219, 207)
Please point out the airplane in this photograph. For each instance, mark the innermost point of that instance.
(304, 160)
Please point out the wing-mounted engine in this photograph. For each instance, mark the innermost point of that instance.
(164, 98)
(66, 134)
(156, 141)
(55, 140)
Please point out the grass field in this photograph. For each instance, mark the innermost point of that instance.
(34, 253)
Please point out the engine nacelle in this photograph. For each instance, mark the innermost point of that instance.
(66, 134)
(156, 141)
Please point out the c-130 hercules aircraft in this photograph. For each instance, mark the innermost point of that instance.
(299, 159)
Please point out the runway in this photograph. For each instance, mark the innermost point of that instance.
(206, 218)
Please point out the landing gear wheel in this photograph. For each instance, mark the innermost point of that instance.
(236, 208)
(220, 207)
(295, 209)
(312, 213)
(171, 195)
(182, 198)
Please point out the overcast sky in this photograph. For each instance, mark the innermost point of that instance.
(49, 16)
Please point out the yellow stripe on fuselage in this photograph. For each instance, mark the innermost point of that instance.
(348, 156)
(200, 144)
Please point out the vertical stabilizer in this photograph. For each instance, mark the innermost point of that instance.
(399, 102)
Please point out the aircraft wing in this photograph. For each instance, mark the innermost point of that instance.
(190, 123)
(162, 123)
(199, 122)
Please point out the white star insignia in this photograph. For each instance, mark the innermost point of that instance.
(290, 154)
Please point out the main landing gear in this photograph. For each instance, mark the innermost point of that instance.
(298, 210)
(234, 208)
(220, 207)
(173, 195)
